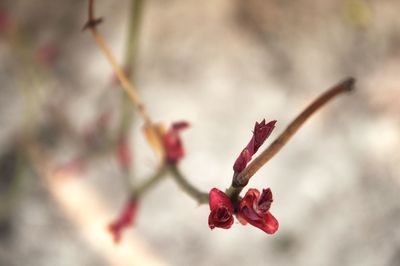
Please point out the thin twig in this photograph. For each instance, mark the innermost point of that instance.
(192, 191)
(132, 43)
(241, 180)
(149, 183)
(130, 58)
(126, 85)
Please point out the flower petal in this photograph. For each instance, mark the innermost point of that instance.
(173, 144)
(218, 198)
(242, 160)
(261, 132)
(253, 209)
(221, 214)
(270, 224)
(265, 201)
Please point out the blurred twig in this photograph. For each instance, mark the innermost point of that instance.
(126, 84)
(130, 58)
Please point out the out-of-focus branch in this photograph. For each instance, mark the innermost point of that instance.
(132, 42)
(241, 180)
(192, 191)
(130, 58)
(131, 91)
(150, 182)
(126, 84)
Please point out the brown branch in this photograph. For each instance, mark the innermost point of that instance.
(241, 180)
(92, 21)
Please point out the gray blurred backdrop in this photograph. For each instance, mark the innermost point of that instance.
(221, 65)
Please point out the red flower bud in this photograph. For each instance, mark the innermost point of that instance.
(242, 161)
(260, 134)
(124, 153)
(172, 142)
(125, 220)
(254, 209)
(221, 210)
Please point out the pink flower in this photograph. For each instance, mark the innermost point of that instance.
(221, 210)
(125, 220)
(254, 209)
(172, 142)
(260, 134)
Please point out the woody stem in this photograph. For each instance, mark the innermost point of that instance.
(240, 181)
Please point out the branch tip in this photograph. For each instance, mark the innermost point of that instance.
(240, 180)
(348, 84)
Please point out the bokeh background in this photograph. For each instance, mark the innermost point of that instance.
(221, 65)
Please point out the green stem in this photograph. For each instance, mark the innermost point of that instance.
(149, 183)
(132, 44)
(131, 52)
(200, 197)
(130, 58)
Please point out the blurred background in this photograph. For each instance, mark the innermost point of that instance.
(220, 65)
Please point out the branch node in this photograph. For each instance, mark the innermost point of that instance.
(238, 182)
(92, 23)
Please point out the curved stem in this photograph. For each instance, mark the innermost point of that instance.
(132, 42)
(149, 183)
(200, 197)
(241, 180)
